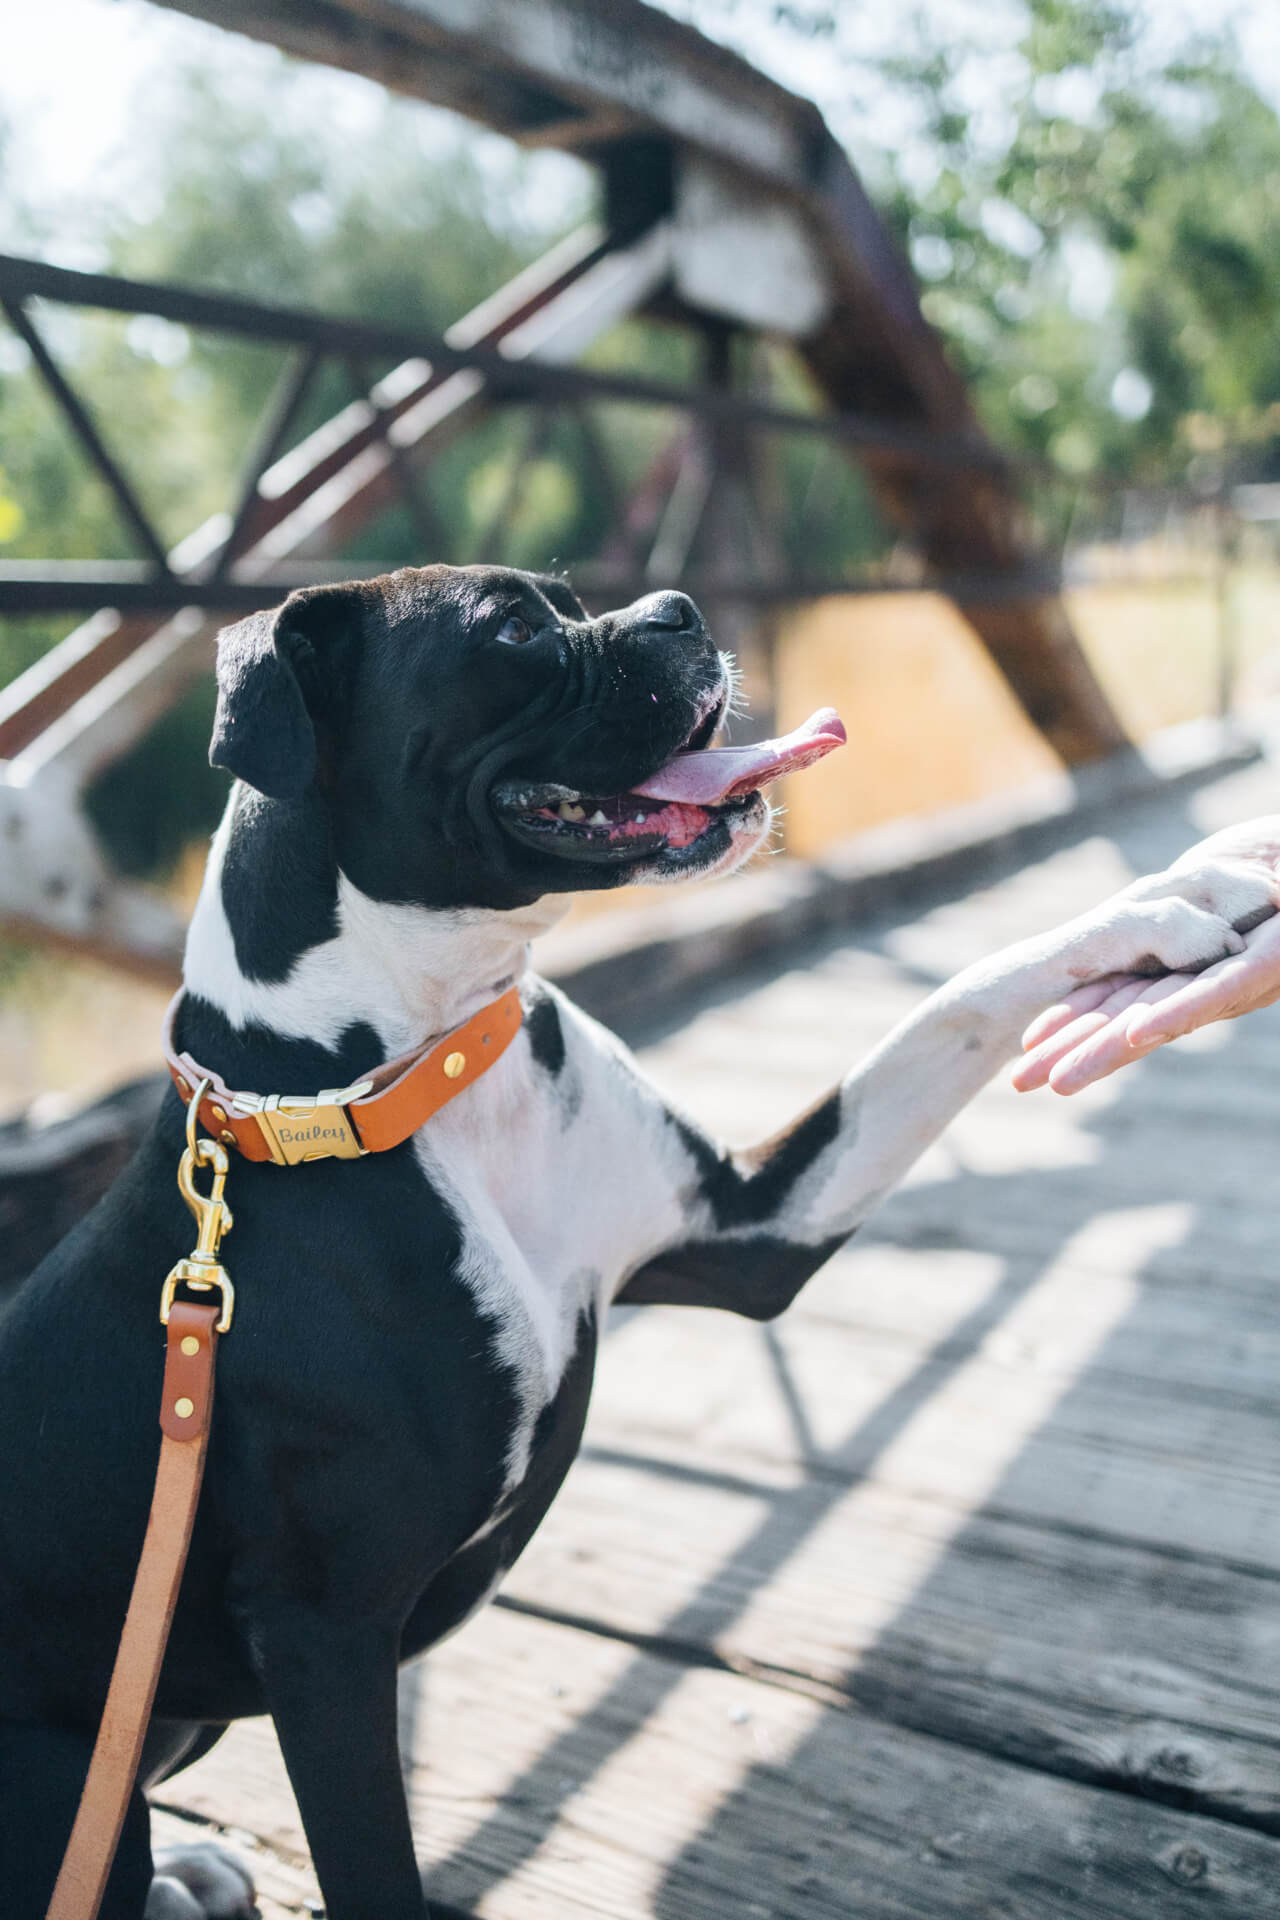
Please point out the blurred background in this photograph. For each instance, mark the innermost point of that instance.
(1088, 195)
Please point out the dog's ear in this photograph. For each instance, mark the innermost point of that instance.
(279, 678)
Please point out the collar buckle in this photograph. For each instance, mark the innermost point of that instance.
(310, 1126)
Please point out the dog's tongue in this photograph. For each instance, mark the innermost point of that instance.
(717, 773)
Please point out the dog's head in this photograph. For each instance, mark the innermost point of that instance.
(478, 739)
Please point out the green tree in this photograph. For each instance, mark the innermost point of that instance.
(1164, 187)
(1095, 222)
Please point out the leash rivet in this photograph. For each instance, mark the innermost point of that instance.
(184, 1408)
(184, 1090)
(218, 1115)
(227, 1138)
(454, 1063)
(190, 1345)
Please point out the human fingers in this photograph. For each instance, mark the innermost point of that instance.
(1083, 1000)
(1034, 1068)
(1198, 1003)
(1109, 1048)
(1165, 1010)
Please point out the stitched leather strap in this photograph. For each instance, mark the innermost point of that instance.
(403, 1093)
(185, 1406)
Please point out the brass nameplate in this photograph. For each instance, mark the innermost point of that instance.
(315, 1133)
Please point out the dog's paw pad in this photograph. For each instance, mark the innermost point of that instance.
(200, 1883)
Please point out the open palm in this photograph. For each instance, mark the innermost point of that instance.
(1111, 1023)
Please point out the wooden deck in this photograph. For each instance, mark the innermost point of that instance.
(954, 1593)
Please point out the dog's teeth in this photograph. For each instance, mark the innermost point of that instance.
(598, 818)
(640, 819)
(568, 811)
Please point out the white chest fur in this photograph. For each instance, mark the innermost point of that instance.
(560, 1182)
(554, 1177)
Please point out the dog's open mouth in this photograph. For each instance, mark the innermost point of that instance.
(703, 790)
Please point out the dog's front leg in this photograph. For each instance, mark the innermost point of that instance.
(757, 1224)
(331, 1689)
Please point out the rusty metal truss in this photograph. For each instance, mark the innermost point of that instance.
(749, 172)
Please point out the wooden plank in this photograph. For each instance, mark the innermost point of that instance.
(1194, 1330)
(1022, 1641)
(1166, 1466)
(552, 1771)
(1228, 1249)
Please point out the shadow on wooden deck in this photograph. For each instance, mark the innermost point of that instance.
(1060, 1563)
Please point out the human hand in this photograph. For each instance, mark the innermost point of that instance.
(1111, 1023)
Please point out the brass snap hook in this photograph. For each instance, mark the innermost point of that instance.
(211, 1213)
(212, 1217)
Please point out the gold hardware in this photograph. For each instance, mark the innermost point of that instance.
(203, 1277)
(212, 1216)
(308, 1127)
(189, 1345)
(183, 1089)
(227, 1138)
(453, 1064)
(193, 1115)
(184, 1408)
(219, 1116)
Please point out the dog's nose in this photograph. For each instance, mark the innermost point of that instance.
(668, 612)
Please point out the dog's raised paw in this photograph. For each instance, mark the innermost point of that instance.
(1176, 936)
(200, 1883)
(1241, 891)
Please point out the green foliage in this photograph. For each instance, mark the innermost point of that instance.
(234, 182)
(1090, 214)
(1157, 183)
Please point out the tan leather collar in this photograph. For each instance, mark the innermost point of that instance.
(376, 1112)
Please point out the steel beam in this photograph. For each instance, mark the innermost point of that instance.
(653, 100)
(527, 360)
(692, 141)
(565, 73)
(290, 391)
(974, 522)
(85, 430)
(403, 399)
(67, 590)
(91, 698)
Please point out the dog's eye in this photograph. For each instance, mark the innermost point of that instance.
(515, 632)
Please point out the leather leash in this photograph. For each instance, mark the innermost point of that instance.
(188, 1381)
(374, 1114)
(186, 1403)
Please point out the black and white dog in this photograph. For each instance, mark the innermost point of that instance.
(427, 764)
